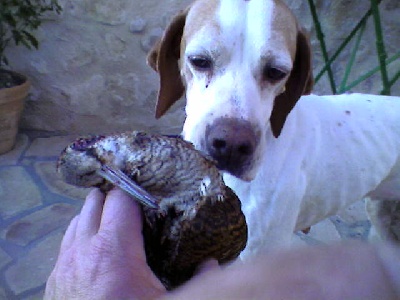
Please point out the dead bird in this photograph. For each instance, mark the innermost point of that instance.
(190, 215)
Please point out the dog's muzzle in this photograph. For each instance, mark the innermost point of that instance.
(232, 143)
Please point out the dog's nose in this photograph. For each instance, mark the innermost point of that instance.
(232, 142)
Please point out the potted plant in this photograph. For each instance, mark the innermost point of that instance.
(18, 20)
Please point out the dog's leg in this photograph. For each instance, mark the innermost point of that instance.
(385, 219)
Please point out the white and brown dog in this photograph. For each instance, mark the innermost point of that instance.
(244, 65)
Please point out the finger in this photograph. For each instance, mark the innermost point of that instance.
(69, 236)
(121, 216)
(90, 216)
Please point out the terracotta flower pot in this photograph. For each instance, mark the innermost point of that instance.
(11, 106)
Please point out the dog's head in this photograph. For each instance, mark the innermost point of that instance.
(243, 65)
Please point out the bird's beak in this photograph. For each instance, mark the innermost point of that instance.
(121, 180)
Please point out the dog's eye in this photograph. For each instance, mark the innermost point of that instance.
(273, 74)
(201, 63)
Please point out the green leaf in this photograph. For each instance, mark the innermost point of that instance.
(16, 36)
(19, 19)
(10, 20)
(32, 40)
(4, 61)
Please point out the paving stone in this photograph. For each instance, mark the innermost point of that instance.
(36, 296)
(32, 270)
(352, 230)
(4, 258)
(48, 174)
(2, 294)
(51, 146)
(18, 191)
(11, 157)
(323, 232)
(299, 240)
(39, 224)
(355, 212)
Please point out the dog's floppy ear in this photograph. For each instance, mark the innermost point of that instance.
(163, 58)
(300, 82)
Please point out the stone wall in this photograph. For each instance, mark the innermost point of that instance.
(90, 73)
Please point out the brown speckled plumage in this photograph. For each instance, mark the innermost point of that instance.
(198, 217)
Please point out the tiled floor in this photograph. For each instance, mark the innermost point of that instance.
(36, 206)
(35, 209)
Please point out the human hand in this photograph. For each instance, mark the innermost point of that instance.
(102, 254)
(102, 257)
(344, 271)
